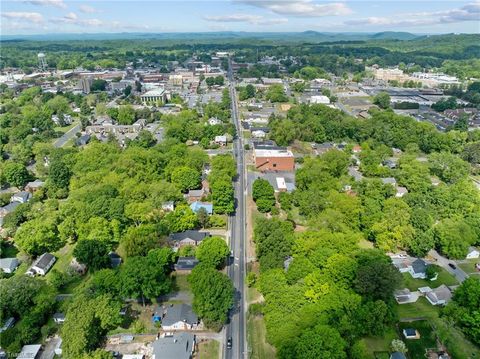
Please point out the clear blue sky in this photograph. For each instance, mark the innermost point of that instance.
(64, 16)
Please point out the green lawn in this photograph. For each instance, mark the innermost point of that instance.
(380, 344)
(257, 344)
(417, 347)
(180, 283)
(443, 278)
(65, 129)
(469, 265)
(420, 309)
(208, 349)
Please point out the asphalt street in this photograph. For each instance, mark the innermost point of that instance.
(236, 328)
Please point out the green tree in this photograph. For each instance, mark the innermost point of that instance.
(449, 167)
(453, 237)
(138, 241)
(275, 93)
(376, 277)
(126, 115)
(15, 174)
(382, 100)
(213, 251)
(212, 295)
(181, 219)
(93, 253)
(38, 236)
(223, 197)
(185, 178)
(203, 218)
(321, 341)
(86, 322)
(263, 194)
(59, 174)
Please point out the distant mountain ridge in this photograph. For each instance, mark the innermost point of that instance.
(309, 35)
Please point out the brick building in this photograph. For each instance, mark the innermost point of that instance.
(274, 160)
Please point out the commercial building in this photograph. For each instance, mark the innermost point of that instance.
(154, 96)
(274, 160)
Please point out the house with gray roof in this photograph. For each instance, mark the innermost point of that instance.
(5, 210)
(35, 185)
(180, 317)
(42, 265)
(419, 269)
(188, 238)
(185, 264)
(439, 296)
(177, 346)
(8, 265)
(22, 197)
(389, 180)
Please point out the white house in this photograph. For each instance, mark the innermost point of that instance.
(214, 121)
(473, 253)
(180, 317)
(42, 265)
(221, 140)
(439, 296)
(259, 134)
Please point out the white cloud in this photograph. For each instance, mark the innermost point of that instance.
(55, 3)
(87, 9)
(24, 16)
(301, 8)
(469, 12)
(247, 18)
(73, 19)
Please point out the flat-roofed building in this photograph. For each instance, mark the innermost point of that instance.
(274, 160)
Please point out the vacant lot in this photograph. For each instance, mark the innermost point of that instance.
(257, 344)
(208, 349)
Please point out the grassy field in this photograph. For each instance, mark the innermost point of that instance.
(420, 309)
(65, 129)
(417, 347)
(380, 344)
(257, 344)
(209, 349)
(443, 278)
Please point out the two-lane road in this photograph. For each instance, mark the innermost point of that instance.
(236, 329)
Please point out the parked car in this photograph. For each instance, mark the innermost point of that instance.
(451, 265)
(229, 343)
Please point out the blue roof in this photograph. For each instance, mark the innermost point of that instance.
(195, 206)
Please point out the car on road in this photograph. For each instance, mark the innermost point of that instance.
(229, 343)
(451, 265)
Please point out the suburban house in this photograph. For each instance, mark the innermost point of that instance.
(21, 197)
(179, 317)
(195, 195)
(29, 351)
(42, 265)
(410, 333)
(417, 268)
(59, 318)
(188, 238)
(221, 140)
(176, 346)
(439, 296)
(389, 180)
(401, 191)
(8, 265)
(473, 253)
(274, 160)
(9, 208)
(185, 264)
(403, 295)
(195, 206)
(34, 186)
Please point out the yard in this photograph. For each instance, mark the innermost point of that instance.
(468, 266)
(380, 344)
(208, 349)
(257, 344)
(443, 278)
(420, 309)
(8, 250)
(417, 347)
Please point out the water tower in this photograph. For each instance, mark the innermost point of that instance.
(42, 63)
